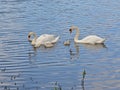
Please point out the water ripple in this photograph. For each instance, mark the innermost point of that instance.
(23, 67)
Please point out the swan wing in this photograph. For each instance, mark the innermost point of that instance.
(44, 38)
(93, 39)
(56, 38)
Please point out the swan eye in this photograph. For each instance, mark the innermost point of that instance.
(70, 30)
(29, 36)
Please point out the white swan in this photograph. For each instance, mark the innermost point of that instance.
(91, 39)
(67, 43)
(45, 39)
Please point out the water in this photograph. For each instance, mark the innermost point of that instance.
(59, 68)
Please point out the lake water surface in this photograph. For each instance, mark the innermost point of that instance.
(59, 68)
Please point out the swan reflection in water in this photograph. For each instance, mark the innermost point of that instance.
(32, 54)
(74, 54)
(96, 47)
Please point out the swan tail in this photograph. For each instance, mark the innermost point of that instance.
(56, 39)
(101, 41)
(104, 40)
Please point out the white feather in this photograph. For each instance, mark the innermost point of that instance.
(91, 39)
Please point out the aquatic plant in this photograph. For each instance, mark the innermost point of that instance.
(57, 86)
(83, 74)
(82, 81)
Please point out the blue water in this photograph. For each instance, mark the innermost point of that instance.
(61, 67)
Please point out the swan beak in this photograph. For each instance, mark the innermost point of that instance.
(70, 30)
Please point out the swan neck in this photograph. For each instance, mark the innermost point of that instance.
(77, 33)
(35, 36)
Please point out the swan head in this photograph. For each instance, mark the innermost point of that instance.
(73, 28)
(29, 36)
(31, 33)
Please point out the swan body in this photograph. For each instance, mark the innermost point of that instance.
(67, 43)
(48, 45)
(91, 39)
(45, 39)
